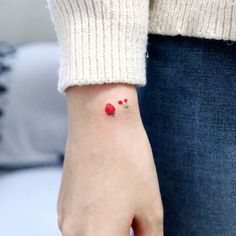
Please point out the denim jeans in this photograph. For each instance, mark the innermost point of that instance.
(188, 109)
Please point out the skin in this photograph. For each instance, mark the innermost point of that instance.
(109, 178)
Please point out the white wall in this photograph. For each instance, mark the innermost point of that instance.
(25, 21)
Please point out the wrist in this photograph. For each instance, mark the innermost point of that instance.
(87, 106)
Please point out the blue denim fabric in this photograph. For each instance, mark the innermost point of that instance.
(188, 108)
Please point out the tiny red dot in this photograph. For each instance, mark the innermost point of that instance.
(125, 100)
(120, 102)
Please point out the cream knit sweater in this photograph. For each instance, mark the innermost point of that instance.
(104, 41)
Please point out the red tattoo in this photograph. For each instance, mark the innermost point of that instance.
(110, 109)
(125, 105)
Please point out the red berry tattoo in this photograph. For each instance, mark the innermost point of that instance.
(110, 109)
(124, 104)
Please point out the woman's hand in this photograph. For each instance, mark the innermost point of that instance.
(109, 179)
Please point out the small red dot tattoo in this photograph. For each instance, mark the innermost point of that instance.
(110, 109)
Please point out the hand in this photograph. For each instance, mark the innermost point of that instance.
(109, 179)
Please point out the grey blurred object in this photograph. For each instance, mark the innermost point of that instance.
(6, 51)
(25, 21)
(33, 125)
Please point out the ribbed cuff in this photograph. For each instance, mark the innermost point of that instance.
(101, 41)
(212, 19)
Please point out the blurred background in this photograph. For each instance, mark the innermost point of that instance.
(32, 120)
(25, 21)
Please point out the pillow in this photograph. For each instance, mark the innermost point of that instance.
(33, 122)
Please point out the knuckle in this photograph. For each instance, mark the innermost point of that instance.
(71, 230)
(160, 217)
(155, 220)
(158, 221)
(59, 222)
(59, 216)
(68, 228)
(71, 227)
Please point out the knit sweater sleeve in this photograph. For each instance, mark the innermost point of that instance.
(101, 41)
